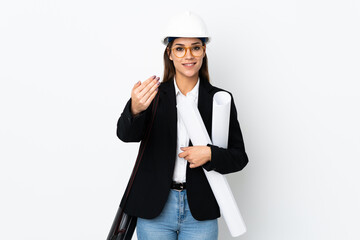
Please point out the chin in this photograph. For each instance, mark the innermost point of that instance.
(190, 73)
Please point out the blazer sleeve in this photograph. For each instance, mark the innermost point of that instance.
(233, 158)
(130, 128)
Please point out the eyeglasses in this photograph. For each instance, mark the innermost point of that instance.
(196, 51)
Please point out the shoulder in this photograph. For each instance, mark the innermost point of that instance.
(214, 89)
(166, 86)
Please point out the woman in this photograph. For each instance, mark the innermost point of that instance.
(170, 194)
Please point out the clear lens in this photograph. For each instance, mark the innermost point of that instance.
(196, 51)
(179, 51)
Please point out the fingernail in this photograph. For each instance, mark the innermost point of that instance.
(158, 83)
(154, 76)
(158, 78)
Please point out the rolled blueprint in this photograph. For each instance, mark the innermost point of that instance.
(199, 136)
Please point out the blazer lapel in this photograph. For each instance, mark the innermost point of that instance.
(169, 91)
(205, 103)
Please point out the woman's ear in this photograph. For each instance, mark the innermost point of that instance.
(204, 49)
(168, 53)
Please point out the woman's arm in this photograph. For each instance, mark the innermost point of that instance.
(233, 158)
(132, 128)
(133, 120)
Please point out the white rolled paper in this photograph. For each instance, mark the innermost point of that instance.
(199, 136)
(221, 119)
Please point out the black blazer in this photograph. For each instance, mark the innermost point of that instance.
(151, 186)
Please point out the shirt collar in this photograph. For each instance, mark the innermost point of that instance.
(193, 91)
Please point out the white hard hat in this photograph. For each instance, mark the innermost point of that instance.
(186, 24)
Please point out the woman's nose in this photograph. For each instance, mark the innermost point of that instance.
(188, 54)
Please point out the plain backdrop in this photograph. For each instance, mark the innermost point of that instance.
(67, 68)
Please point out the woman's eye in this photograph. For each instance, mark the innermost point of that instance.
(197, 48)
(179, 49)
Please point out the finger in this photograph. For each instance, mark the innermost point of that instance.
(183, 154)
(145, 83)
(151, 91)
(148, 101)
(136, 85)
(185, 148)
(146, 89)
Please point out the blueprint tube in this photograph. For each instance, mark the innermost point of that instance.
(199, 136)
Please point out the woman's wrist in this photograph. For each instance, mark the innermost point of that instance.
(209, 155)
(134, 113)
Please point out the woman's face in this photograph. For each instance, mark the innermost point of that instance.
(189, 65)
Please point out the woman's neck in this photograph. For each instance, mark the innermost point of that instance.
(186, 84)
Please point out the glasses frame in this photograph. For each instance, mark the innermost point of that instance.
(186, 48)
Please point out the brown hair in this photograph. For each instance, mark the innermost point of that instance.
(169, 69)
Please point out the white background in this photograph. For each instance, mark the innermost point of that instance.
(67, 68)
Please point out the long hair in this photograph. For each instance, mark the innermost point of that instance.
(169, 68)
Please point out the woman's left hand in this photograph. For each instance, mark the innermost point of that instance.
(196, 155)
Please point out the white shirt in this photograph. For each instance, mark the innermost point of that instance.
(182, 136)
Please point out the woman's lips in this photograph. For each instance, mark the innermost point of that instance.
(189, 65)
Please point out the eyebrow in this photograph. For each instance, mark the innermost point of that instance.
(191, 44)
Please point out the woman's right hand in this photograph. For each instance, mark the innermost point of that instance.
(143, 93)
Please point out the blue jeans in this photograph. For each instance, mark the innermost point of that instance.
(176, 222)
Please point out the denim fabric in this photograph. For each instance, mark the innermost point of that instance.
(176, 222)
